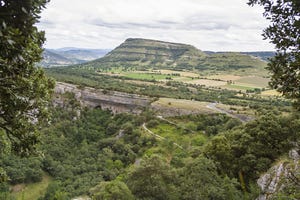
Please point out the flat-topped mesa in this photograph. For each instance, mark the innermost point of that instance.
(155, 43)
(146, 54)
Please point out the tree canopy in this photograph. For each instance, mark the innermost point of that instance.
(284, 33)
(113, 190)
(24, 88)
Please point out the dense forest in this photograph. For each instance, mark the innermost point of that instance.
(108, 156)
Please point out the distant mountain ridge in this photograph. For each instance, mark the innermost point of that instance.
(264, 55)
(145, 54)
(81, 54)
(53, 59)
(70, 56)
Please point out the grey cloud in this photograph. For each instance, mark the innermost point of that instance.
(125, 25)
(207, 24)
(189, 24)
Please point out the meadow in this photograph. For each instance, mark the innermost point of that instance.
(228, 80)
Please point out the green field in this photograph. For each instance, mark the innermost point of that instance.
(239, 82)
(255, 81)
(146, 76)
(183, 104)
(238, 87)
(179, 135)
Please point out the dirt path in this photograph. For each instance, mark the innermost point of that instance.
(213, 107)
(173, 123)
(158, 136)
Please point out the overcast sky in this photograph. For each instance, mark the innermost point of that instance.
(217, 25)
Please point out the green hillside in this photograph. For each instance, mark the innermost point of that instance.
(144, 54)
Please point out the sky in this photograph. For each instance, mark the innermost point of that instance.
(215, 25)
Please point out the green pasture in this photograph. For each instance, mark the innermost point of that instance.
(146, 76)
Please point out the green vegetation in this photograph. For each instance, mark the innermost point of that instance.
(254, 81)
(33, 190)
(108, 156)
(171, 89)
(235, 63)
(251, 149)
(239, 87)
(147, 76)
(234, 153)
(192, 130)
(143, 54)
(88, 151)
(111, 190)
(92, 152)
(24, 88)
(284, 67)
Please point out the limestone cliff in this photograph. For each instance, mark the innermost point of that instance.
(282, 180)
(117, 102)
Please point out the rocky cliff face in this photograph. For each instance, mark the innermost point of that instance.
(280, 177)
(117, 102)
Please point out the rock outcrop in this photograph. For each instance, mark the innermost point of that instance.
(117, 102)
(279, 176)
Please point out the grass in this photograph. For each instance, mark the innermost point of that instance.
(254, 81)
(146, 76)
(182, 73)
(179, 135)
(207, 82)
(236, 109)
(270, 93)
(182, 79)
(183, 104)
(238, 87)
(216, 79)
(34, 190)
(158, 75)
(225, 77)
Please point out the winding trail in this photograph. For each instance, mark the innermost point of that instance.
(212, 106)
(158, 136)
(172, 123)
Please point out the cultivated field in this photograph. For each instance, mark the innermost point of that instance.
(225, 77)
(184, 74)
(270, 93)
(226, 81)
(253, 81)
(207, 82)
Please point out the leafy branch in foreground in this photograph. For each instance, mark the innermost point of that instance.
(24, 88)
(284, 33)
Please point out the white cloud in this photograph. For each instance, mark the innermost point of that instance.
(207, 24)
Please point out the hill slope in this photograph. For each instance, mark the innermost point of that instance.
(81, 55)
(144, 54)
(53, 59)
(70, 56)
